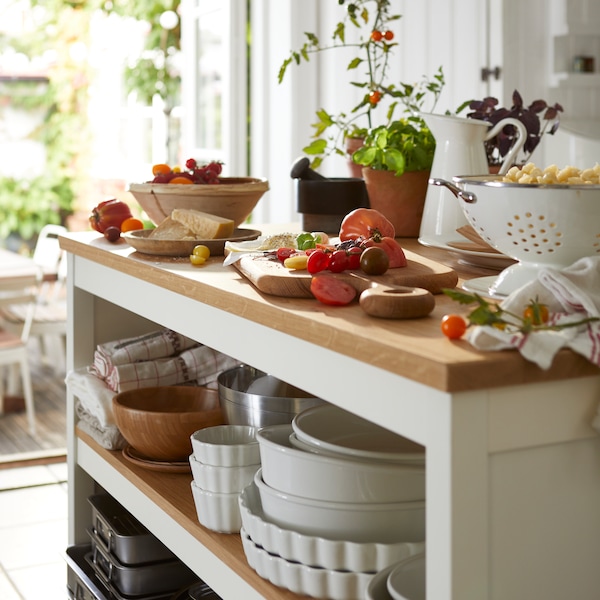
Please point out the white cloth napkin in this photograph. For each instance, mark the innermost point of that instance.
(93, 394)
(108, 437)
(571, 294)
(200, 365)
(157, 344)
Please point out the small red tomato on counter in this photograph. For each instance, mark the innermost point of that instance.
(453, 326)
(283, 253)
(374, 261)
(110, 213)
(112, 234)
(318, 261)
(365, 222)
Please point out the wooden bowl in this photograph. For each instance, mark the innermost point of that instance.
(234, 198)
(158, 421)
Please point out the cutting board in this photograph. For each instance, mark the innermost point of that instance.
(271, 277)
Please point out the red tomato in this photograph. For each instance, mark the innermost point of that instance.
(326, 288)
(375, 97)
(110, 213)
(376, 35)
(453, 326)
(388, 35)
(392, 249)
(365, 222)
(283, 253)
(354, 257)
(318, 261)
(339, 261)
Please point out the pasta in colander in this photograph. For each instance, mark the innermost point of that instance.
(568, 175)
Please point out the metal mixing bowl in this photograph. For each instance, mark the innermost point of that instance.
(251, 397)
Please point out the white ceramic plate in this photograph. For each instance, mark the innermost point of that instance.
(301, 579)
(407, 580)
(459, 245)
(481, 286)
(330, 429)
(318, 551)
(377, 588)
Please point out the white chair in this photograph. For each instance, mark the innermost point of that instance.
(18, 291)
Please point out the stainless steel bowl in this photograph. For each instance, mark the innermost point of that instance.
(251, 397)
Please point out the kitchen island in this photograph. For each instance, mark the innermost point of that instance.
(513, 464)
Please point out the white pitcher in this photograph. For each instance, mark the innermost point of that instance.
(459, 150)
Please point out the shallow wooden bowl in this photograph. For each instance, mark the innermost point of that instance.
(234, 198)
(158, 421)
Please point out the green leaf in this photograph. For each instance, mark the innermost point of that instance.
(355, 62)
(316, 147)
(395, 161)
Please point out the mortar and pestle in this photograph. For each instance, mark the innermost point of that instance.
(323, 202)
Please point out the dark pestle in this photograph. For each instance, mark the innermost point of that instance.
(301, 170)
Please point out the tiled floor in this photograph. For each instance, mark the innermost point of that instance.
(33, 532)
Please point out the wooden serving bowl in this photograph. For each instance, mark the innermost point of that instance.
(234, 198)
(158, 421)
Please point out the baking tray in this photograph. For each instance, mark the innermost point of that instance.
(119, 533)
(139, 580)
(84, 584)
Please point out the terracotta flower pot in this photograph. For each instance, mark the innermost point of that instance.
(400, 199)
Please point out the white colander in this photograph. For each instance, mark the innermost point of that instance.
(537, 225)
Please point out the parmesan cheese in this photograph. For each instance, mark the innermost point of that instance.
(204, 226)
(168, 229)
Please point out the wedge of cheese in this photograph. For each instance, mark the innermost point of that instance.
(204, 226)
(168, 229)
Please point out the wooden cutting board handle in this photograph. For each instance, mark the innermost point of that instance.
(396, 302)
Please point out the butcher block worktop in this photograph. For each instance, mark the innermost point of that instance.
(512, 461)
(413, 348)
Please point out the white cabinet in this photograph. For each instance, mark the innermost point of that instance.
(513, 465)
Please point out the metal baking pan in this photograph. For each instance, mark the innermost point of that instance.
(84, 584)
(122, 535)
(197, 591)
(139, 580)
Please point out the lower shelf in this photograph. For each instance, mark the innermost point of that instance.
(163, 502)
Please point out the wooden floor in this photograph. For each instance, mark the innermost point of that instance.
(17, 446)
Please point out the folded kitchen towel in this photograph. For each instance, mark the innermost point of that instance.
(108, 437)
(93, 393)
(157, 344)
(571, 294)
(200, 365)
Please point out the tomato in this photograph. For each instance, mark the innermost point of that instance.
(375, 97)
(131, 224)
(182, 179)
(389, 35)
(339, 261)
(197, 260)
(326, 288)
(374, 261)
(364, 222)
(536, 314)
(354, 257)
(202, 251)
(112, 234)
(161, 169)
(297, 261)
(110, 213)
(376, 35)
(392, 249)
(318, 261)
(283, 253)
(453, 326)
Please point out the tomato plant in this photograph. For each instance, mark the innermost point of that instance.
(453, 326)
(365, 222)
(326, 288)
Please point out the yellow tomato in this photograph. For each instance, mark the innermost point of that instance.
(197, 260)
(202, 251)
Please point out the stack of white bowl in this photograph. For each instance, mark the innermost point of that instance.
(224, 461)
(404, 580)
(322, 522)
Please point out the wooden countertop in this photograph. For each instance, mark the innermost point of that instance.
(415, 348)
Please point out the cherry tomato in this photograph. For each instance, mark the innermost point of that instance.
(392, 249)
(197, 260)
(283, 253)
(339, 261)
(161, 169)
(375, 97)
(297, 261)
(453, 326)
(131, 224)
(364, 222)
(202, 251)
(388, 35)
(536, 314)
(326, 288)
(374, 261)
(354, 257)
(112, 234)
(376, 35)
(318, 261)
